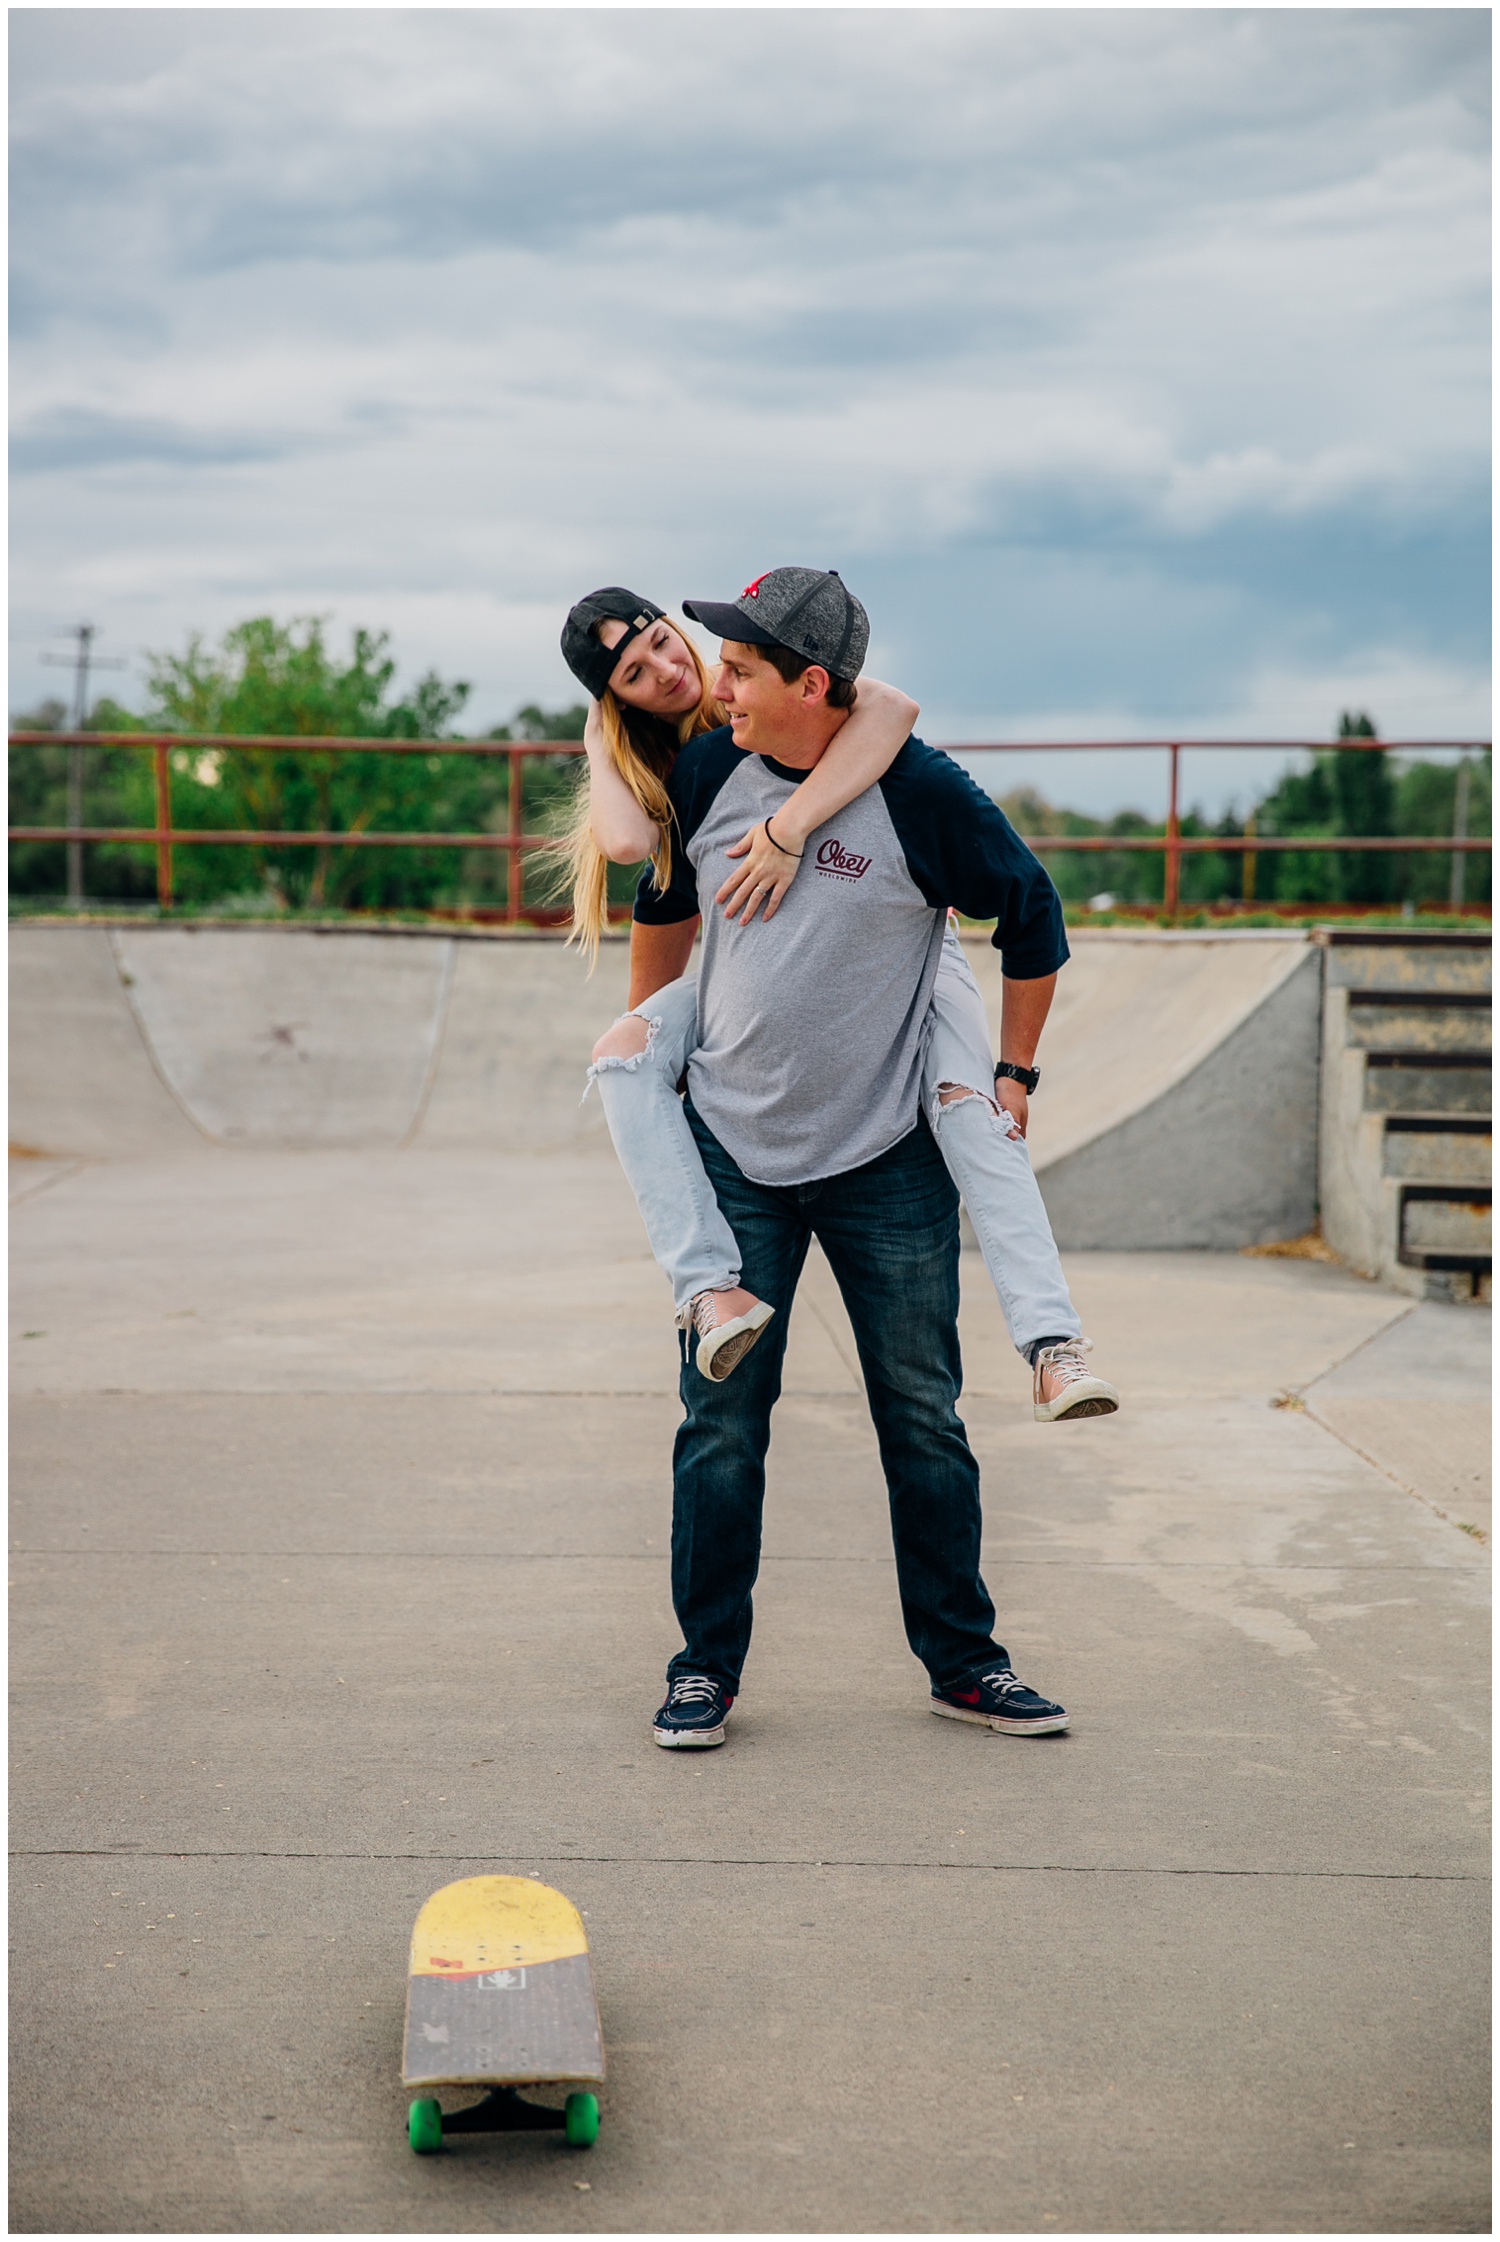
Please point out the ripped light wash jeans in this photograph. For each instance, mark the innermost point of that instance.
(984, 1155)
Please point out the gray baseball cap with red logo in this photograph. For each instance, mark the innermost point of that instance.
(807, 610)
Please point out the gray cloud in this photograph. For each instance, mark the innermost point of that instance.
(1164, 330)
(72, 440)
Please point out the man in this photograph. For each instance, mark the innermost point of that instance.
(803, 1095)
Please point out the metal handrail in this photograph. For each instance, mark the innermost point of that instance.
(1173, 844)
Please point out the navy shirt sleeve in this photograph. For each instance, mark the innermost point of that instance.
(700, 770)
(962, 850)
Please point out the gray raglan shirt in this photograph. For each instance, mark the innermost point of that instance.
(812, 1030)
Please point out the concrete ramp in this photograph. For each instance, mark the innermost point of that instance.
(327, 1040)
(82, 1079)
(1179, 1096)
(156, 1039)
(1178, 1105)
(522, 1019)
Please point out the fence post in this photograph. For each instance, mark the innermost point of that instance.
(515, 829)
(1247, 864)
(163, 825)
(1174, 836)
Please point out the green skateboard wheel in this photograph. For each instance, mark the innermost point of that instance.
(424, 2127)
(581, 2113)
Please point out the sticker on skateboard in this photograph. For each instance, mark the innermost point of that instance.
(500, 1994)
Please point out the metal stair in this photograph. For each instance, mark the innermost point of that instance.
(1404, 1133)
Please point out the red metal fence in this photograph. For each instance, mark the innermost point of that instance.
(1173, 845)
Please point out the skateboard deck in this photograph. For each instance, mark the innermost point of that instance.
(500, 1994)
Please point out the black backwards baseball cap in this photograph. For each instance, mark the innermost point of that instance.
(807, 610)
(593, 664)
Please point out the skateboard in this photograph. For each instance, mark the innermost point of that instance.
(500, 1994)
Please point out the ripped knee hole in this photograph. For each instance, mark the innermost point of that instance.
(629, 1038)
(963, 1093)
(954, 1093)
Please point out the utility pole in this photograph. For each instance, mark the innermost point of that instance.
(85, 634)
(1460, 833)
(80, 664)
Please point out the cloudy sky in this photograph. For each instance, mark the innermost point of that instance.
(1131, 365)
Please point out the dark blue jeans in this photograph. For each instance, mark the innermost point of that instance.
(890, 1232)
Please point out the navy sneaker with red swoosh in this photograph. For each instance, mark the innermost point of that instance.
(694, 1714)
(998, 1700)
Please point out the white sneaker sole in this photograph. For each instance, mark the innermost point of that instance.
(1049, 1725)
(688, 1740)
(1088, 1397)
(726, 1347)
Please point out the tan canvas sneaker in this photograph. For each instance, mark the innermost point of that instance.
(1062, 1385)
(723, 1346)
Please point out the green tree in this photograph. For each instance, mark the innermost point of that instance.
(38, 791)
(267, 679)
(1347, 791)
(277, 681)
(533, 723)
(1301, 803)
(1357, 791)
(1426, 803)
(1364, 798)
(1135, 877)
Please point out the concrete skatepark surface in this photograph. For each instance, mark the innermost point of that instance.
(1212, 1962)
(1181, 1070)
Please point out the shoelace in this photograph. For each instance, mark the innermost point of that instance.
(705, 1315)
(691, 1689)
(1004, 1682)
(1065, 1360)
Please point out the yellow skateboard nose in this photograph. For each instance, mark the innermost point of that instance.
(494, 1923)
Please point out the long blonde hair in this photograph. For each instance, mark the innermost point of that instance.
(643, 749)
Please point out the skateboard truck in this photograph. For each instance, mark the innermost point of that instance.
(503, 2111)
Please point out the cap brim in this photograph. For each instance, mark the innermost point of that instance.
(728, 622)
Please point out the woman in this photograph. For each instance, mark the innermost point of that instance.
(650, 695)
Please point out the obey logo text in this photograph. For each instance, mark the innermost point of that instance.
(838, 863)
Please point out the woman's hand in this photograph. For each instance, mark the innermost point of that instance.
(593, 727)
(764, 877)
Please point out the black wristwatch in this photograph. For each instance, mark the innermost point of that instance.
(1028, 1077)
